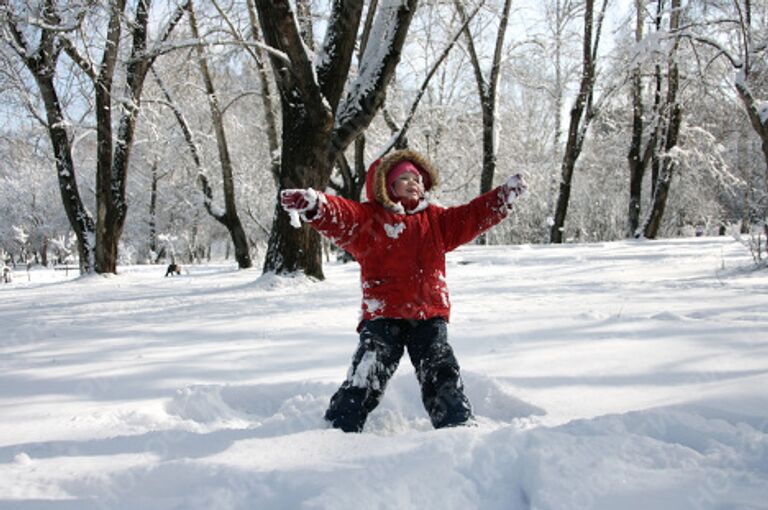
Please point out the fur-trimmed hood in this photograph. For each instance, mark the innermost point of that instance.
(376, 180)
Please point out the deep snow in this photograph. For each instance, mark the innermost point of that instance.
(628, 375)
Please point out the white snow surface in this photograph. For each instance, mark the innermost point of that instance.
(627, 375)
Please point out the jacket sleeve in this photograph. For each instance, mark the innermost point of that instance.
(461, 224)
(339, 220)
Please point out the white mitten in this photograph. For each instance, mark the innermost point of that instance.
(296, 201)
(514, 187)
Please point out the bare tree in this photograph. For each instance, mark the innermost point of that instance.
(560, 14)
(487, 87)
(753, 50)
(56, 28)
(644, 149)
(582, 113)
(635, 156)
(228, 217)
(317, 124)
(671, 120)
(251, 44)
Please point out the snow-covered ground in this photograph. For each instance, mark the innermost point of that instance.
(629, 375)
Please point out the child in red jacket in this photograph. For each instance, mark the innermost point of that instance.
(400, 238)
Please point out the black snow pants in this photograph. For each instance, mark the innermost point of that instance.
(382, 342)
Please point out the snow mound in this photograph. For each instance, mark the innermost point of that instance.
(22, 458)
(668, 316)
(401, 409)
(292, 282)
(201, 403)
(295, 407)
(286, 407)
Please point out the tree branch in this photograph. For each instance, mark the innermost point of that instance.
(367, 92)
(281, 31)
(336, 55)
(86, 65)
(482, 86)
(396, 141)
(238, 36)
(205, 185)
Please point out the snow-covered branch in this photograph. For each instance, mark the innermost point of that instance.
(184, 44)
(84, 63)
(722, 50)
(366, 94)
(335, 57)
(281, 30)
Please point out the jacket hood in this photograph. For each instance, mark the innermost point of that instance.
(376, 180)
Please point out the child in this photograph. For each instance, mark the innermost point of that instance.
(400, 238)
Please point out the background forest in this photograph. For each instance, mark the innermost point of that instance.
(140, 132)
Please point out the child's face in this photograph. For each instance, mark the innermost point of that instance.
(408, 186)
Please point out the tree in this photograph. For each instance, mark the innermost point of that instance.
(317, 125)
(732, 31)
(753, 52)
(636, 160)
(28, 202)
(582, 113)
(228, 217)
(560, 14)
(56, 29)
(671, 119)
(487, 88)
(647, 125)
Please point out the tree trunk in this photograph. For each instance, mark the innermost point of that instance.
(559, 93)
(42, 64)
(487, 91)
(153, 212)
(270, 118)
(44, 253)
(79, 218)
(658, 108)
(304, 163)
(757, 118)
(230, 219)
(635, 157)
(113, 156)
(640, 156)
(106, 240)
(673, 116)
(575, 130)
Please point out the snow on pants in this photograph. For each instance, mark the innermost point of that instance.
(382, 342)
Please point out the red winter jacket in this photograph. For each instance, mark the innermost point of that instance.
(402, 254)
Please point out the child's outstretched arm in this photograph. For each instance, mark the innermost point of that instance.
(335, 217)
(463, 223)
